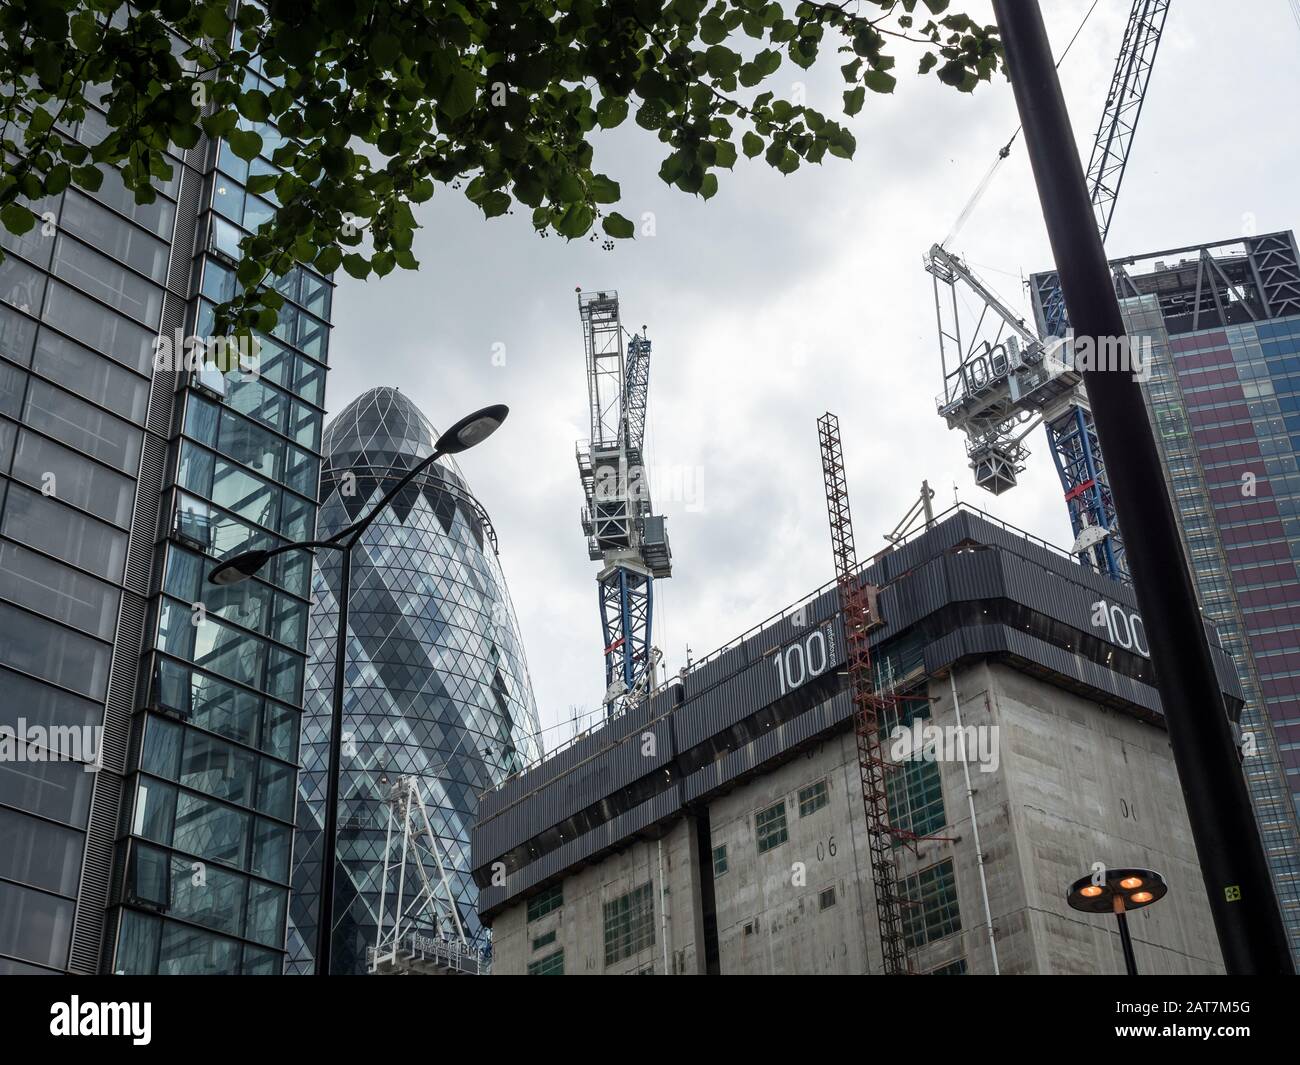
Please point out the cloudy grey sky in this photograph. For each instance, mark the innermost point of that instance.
(784, 297)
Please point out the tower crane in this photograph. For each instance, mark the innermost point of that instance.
(998, 389)
(623, 533)
(858, 611)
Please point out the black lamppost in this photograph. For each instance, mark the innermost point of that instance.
(470, 430)
(1118, 891)
(1228, 845)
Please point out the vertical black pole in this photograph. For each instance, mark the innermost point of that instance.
(1126, 943)
(1245, 911)
(329, 837)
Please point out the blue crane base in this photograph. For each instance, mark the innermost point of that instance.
(626, 612)
(1077, 454)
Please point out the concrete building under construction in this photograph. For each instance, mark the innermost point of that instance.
(718, 827)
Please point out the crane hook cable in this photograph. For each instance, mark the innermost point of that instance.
(1005, 150)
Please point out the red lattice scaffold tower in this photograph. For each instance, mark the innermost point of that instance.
(858, 609)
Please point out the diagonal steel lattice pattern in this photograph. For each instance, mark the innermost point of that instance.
(857, 609)
(437, 683)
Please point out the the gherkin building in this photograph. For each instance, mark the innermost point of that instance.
(437, 685)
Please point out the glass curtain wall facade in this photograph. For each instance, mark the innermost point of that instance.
(162, 844)
(1223, 325)
(437, 685)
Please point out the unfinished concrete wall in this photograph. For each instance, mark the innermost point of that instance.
(1074, 783)
(1086, 784)
(771, 915)
(579, 923)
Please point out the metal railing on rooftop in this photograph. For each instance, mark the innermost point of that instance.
(785, 612)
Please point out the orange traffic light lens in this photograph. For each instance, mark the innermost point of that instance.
(1131, 882)
(1141, 896)
(1091, 891)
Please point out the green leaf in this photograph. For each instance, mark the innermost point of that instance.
(459, 94)
(726, 154)
(615, 225)
(611, 111)
(244, 143)
(650, 115)
(85, 31)
(17, 218)
(219, 123)
(653, 86)
(709, 186)
(249, 273)
(57, 179)
(385, 49)
(853, 100)
(604, 189)
(879, 81)
(751, 144)
(184, 135)
(712, 30)
(495, 203)
(721, 62)
(328, 260)
(254, 105)
(955, 74)
(575, 221)
(88, 177)
(356, 266)
(263, 183)
(214, 23)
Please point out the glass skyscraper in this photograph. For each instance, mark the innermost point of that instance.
(1223, 325)
(146, 819)
(437, 683)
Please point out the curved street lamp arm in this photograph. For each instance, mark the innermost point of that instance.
(358, 527)
(305, 545)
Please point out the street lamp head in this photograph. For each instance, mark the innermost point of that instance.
(472, 429)
(239, 568)
(1132, 888)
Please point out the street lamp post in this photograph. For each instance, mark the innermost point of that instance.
(470, 430)
(1118, 891)
(1228, 845)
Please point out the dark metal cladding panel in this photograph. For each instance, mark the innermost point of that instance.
(821, 718)
(774, 635)
(578, 753)
(765, 681)
(609, 835)
(904, 604)
(985, 641)
(935, 542)
(1225, 668)
(601, 775)
(809, 615)
(725, 665)
(977, 575)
